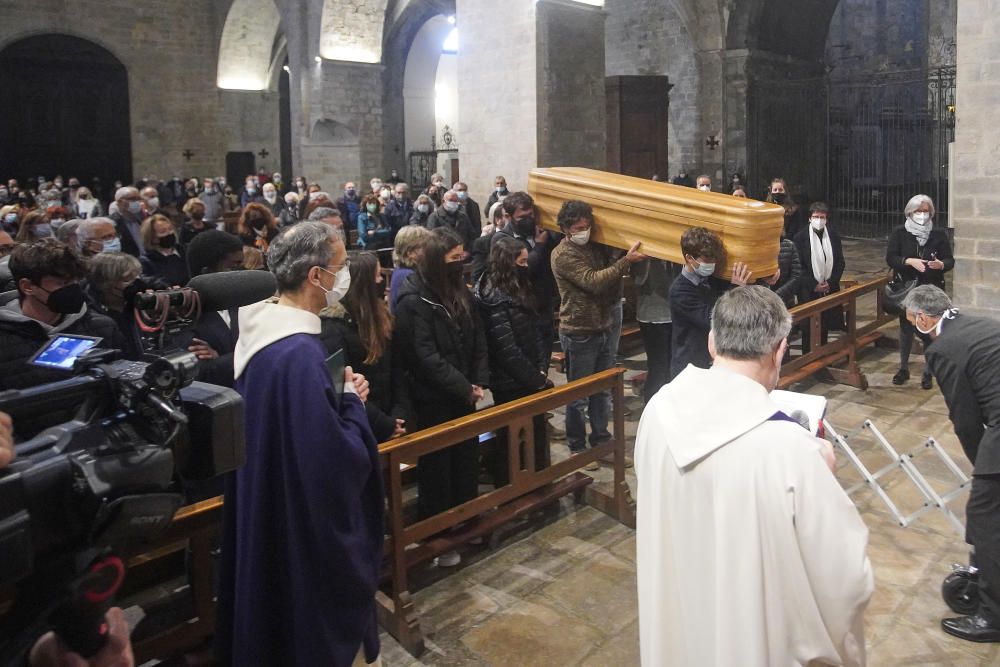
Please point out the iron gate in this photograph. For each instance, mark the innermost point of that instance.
(865, 146)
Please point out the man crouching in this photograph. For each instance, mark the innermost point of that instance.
(749, 551)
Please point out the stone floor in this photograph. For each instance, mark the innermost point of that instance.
(561, 591)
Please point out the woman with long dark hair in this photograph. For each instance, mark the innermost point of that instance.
(361, 326)
(510, 317)
(439, 343)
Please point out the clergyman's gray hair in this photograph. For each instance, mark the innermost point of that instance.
(298, 249)
(749, 323)
(916, 202)
(927, 299)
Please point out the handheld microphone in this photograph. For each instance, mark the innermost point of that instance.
(233, 289)
(802, 418)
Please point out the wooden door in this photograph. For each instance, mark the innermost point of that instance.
(638, 108)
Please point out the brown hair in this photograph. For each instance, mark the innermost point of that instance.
(46, 257)
(368, 307)
(700, 242)
(371, 198)
(502, 273)
(29, 220)
(148, 229)
(255, 211)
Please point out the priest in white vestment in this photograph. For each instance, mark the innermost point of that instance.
(749, 552)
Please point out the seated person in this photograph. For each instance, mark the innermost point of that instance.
(162, 258)
(693, 295)
(110, 277)
(96, 235)
(50, 300)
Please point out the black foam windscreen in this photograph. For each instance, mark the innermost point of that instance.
(233, 289)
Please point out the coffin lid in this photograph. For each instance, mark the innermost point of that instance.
(629, 209)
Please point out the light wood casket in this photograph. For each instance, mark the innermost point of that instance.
(629, 209)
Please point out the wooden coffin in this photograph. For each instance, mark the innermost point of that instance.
(629, 209)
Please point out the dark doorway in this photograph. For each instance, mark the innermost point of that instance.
(66, 111)
(239, 166)
(285, 124)
(638, 112)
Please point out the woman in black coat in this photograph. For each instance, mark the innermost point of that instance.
(361, 326)
(510, 317)
(917, 251)
(439, 343)
(822, 277)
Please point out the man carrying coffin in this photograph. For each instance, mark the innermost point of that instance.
(749, 552)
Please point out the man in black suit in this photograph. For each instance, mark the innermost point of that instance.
(964, 356)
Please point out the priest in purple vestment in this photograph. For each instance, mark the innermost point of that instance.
(302, 543)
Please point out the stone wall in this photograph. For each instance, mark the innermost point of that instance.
(975, 171)
(170, 51)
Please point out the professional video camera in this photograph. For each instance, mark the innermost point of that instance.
(108, 474)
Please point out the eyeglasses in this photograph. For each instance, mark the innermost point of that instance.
(333, 268)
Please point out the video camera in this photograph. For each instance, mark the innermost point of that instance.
(104, 478)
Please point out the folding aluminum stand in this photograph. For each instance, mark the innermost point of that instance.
(932, 500)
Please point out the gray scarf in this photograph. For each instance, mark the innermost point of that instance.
(921, 232)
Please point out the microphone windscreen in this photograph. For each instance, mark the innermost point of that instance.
(233, 289)
(802, 418)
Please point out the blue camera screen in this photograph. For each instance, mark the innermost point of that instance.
(63, 352)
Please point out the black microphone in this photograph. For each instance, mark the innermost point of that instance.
(802, 418)
(233, 289)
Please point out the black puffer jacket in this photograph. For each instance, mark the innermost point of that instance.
(902, 245)
(21, 337)
(387, 398)
(513, 341)
(443, 356)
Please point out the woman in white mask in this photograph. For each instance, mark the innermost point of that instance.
(822, 258)
(917, 251)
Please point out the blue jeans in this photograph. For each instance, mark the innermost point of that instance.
(586, 355)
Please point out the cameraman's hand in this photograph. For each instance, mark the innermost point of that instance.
(6, 440)
(49, 651)
(202, 350)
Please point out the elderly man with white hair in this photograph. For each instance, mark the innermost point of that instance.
(748, 550)
(97, 235)
(303, 538)
(128, 219)
(450, 214)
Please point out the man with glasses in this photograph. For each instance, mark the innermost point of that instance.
(50, 301)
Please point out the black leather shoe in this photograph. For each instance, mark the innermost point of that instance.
(901, 377)
(971, 628)
(926, 382)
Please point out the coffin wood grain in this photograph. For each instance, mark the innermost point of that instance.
(629, 209)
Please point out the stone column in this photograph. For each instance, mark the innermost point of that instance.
(975, 208)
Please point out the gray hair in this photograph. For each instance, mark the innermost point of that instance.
(125, 191)
(85, 230)
(927, 299)
(324, 212)
(916, 202)
(105, 269)
(408, 239)
(67, 231)
(749, 323)
(297, 249)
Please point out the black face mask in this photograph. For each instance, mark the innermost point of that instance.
(380, 289)
(258, 224)
(522, 274)
(779, 197)
(524, 226)
(456, 271)
(66, 300)
(168, 241)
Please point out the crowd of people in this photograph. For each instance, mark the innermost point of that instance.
(428, 302)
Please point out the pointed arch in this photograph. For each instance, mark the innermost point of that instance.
(247, 46)
(352, 31)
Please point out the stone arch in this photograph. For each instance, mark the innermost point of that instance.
(329, 132)
(781, 27)
(352, 30)
(247, 45)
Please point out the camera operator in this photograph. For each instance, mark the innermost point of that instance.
(964, 357)
(49, 651)
(50, 300)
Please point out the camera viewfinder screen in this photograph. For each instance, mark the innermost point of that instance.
(63, 351)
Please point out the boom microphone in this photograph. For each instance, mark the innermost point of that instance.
(233, 289)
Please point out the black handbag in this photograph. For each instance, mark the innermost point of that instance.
(895, 292)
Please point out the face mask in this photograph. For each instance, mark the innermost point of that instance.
(917, 326)
(400, 196)
(258, 224)
(376, 186)
(385, 195)
(341, 283)
(920, 218)
(168, 241)
(276, 178)
(526, 227)
(522, 273)
(10, 218)
(372, 208)
(451, 206)
(135, 207)
(423, 208)
(705, 270)
(456, 270)
(59, 184)
(251, 190)
(580, 238)
(222, 182)
(705, 188)
(209, 188)
(350, 192)
(43, 230)
(501, 189)
(153, 203)
(66, 300)
(271, 197)
(817, 223)
(112, 245)
(463, 195)
(57, 223)
(779, 197)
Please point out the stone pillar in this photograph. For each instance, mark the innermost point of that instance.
(530, 89)
(975, 207)
(736, 112)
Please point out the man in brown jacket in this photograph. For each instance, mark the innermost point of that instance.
(586, 280)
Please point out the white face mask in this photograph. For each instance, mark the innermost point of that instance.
(341, 283)
(271, 197)
(451, 206)
(920, 218)
(917, 327)
(705, 188)
(423, 208)
(817, 223)
(580, 238)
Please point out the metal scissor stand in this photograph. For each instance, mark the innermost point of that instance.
(932, 499)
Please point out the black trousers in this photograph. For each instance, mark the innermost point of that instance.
(547, 336)
(447, 477)
(656, 339)
(982, 531)
(906, 333)
(498, 462)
